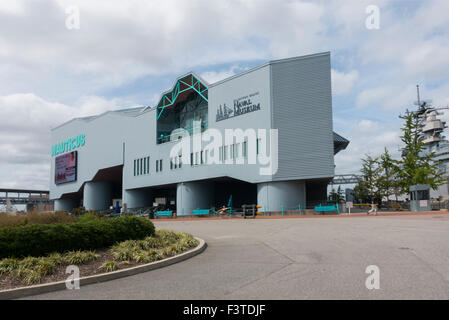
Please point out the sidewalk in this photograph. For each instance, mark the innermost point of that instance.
(343, 215)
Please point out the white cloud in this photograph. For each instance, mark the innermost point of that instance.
(14, 7)
(121, 41)
(25, 130)
(366, 137)
(343, 83)
(215, 76)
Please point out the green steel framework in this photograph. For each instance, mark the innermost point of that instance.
(181, 86)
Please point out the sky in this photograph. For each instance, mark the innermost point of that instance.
(123, 54)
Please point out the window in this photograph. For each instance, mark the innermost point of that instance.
(258, 146)
(191, 159)
(180, 161)
(160, 165)
(245, 152)
(157, 165)
(202, 157)
(142, 166)
(171, 163)
(237, 150)
(225, 153)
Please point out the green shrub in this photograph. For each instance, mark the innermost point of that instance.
(78, 257)
(90, 216)
(38, 240)
(109, 266)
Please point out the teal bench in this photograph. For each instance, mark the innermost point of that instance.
(164, 213)
(330, 208)
(199, 212)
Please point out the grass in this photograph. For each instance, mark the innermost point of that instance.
(31, 270)
(109, 266)
(165, 243)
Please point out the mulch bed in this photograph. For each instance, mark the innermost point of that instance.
(88, 269)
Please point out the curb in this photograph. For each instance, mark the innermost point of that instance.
(61, 285)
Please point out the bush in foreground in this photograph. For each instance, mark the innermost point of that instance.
(163, 244)
(39, 239)
(31, 270)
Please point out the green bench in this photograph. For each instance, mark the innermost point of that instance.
(199, 212)
(330, 208)
(168, 213)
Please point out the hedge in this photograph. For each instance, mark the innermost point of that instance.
(38, 239)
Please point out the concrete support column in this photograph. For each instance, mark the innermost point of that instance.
(66, 204)
(274, 195)
(97, 195)
(137, 198)
(193, 195)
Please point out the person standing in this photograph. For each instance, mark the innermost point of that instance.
(373, 206)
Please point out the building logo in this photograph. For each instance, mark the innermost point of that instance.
(68, 145)
(242, 105)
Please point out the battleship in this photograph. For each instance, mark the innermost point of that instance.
(432, 128)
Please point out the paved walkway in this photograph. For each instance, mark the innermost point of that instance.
(313, 258)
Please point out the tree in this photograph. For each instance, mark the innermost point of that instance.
(337, 196)
(416, 167)
(370, 175)
(386, 183)
(361, 193)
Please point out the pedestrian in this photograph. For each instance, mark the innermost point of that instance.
(373, 206)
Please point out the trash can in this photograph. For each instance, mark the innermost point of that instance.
(420, 198)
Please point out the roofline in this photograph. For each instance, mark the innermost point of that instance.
(176, 81)
(271, 62)
(117, 112)
(151, 108)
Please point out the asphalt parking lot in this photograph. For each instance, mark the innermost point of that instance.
(314, 258)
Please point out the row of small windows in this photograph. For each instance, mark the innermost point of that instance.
(176, 162)
(142, 166)
(159, 165)
(230, 152)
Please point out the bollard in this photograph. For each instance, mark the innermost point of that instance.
(282, 210)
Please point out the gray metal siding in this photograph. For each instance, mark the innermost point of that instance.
(302, 112)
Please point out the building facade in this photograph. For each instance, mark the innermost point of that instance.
(263, 136)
